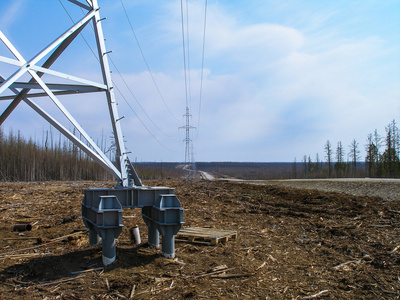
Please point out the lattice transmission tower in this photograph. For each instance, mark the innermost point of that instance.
(187, 140)
(189, 157)
(101, 208)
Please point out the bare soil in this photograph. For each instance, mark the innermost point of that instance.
(292, 244)
(387, 189)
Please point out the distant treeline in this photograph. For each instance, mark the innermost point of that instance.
(159, 170)
(56, 158)
(381, 160)
(52, 159)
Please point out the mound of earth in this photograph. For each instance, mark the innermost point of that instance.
(291, 244)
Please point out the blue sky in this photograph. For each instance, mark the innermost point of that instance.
(280, 77)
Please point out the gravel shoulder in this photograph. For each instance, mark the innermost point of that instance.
(387, 189)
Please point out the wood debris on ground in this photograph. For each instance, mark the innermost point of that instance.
(284, 243)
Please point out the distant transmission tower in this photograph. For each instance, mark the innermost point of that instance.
(189, 159)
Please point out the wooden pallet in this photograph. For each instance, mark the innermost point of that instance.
(209, 236)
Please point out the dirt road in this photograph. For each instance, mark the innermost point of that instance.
(206, 175)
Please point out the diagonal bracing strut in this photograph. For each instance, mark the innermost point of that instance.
(124, 172)
(101, 208)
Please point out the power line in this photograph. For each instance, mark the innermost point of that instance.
(145, 61)
(72, 20)
(202, 65)
(187, 127)
(184, 55)
(134, 97)
(188, 55)
(123, 79)
(148, 130)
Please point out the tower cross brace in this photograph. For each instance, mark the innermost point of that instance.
(101, 208)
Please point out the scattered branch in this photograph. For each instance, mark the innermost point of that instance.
(316, 295)
(395, 249)
(132, 292)
(42, 245)
(59, 281)
(357, 261)
(261, 266)
(213, 273)
(86, 271)
(26, 255)
(227, 276)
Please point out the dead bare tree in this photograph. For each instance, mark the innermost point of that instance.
(339, 165)
(328, 151)
(354, 155)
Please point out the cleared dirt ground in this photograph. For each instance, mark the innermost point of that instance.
(387, 189)
(292, 244)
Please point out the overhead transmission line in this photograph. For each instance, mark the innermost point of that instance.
(134, 97)
(202, 65)
(123, 79)
(72, 20)
(184, 55)
(188, 55)
(123, 97)
(148, 130)
(186, 65)
(145, 61)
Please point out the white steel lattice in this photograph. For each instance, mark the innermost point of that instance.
(124, 172)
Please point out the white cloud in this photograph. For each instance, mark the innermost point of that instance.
(12, 13)
(319, 93)
(282, 88)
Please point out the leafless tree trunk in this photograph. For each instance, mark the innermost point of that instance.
(339, 159)
(328, 151)
(354, 155)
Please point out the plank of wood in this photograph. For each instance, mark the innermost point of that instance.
(210, 236)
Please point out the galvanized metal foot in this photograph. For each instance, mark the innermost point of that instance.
(153, 235)
(94, 238)
(108, 245)
(168, 243)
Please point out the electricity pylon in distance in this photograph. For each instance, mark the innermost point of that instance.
(189, 159)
